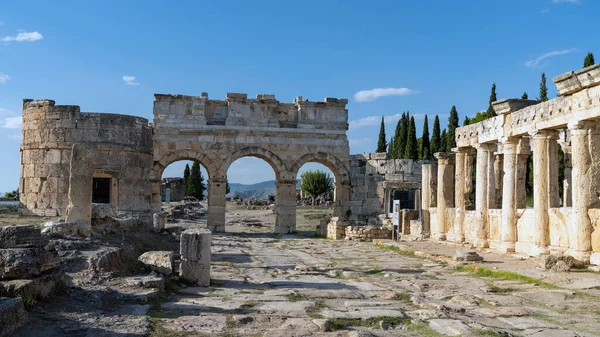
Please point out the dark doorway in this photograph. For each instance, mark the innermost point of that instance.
(406, 197)
(101, 190)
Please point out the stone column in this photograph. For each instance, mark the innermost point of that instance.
(79, 209)
(285, 206)
(482, 195)
(195, 256)
(428, 194)
(445, 179)
(498, 176)
(523, 152)
(585, 178)
(545, 187)
(567, 182)
(216, 204)
(509, 195)
(461, 190)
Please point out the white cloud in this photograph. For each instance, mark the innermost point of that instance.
(4, 78)
(11, 122)
(130, 80)
(536, 63)
(565, 1)
(14, 136)
(373, 94)
(376, 120)
(23, 36)
(360, 141)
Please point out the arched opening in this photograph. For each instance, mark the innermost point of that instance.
(315, 196)
(251, 194)
(183, 197)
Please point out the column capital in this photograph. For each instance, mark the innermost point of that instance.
(463, 149)
(580, 126)
(544, 134)
(515, 145)
(444, 158)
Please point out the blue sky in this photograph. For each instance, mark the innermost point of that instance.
(112, 56)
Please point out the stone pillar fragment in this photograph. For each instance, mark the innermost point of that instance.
(545, 187)
(285, 206)
(217, 189)
(523, 152)
(509, 196)
(195, 256)
(585, 175)
(463, 185)
(498, 176)
(428, 194)
(445, 179)
(482, 195)
(79, 210)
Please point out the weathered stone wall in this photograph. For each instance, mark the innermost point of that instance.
(370, 176)
(336, 229)
(368, 232)
(122, 151)
(176, 186)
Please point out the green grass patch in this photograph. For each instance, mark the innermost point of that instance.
(295, 297)
(313, 310)
(159, 331)
(340, 323)
(401, 250)
(503, 275)
(422, 330)
(478, 332)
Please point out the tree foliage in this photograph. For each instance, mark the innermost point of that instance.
(381, 144)
(197, 182)
(543, 89)
(444, 141)
(525, 96)
(466, 121)
(315, 183)
(589, 60)
(425, 146)
(436, 139)
(412, 150)
(452, 125)
(490, 111)
(187, 183)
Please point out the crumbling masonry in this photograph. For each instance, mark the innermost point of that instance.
(67, 156)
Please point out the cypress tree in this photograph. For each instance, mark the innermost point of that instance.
(443, 141)
(391, 148)
(543, 89)
(381, 144)
(466, 121)
(589, 60)
(436, 139)
(412, 150)
(394, 151)
(452, 125)
(425, 147)
(525, 96)
(403, 138)
(197, 182)
(187, 184)
(490, 111)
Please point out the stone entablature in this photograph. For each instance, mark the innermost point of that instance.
(373, 176)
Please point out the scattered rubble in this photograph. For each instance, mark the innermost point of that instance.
(161, 262)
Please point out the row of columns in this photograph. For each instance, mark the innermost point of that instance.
(500, 183)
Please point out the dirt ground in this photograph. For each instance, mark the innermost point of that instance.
(263, 284)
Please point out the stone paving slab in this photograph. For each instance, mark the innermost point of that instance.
(528, 322)
(449, 327)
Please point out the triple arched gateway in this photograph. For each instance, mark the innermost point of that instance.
(69, 153)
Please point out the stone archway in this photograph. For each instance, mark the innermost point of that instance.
(341, 175)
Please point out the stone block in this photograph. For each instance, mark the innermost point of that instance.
(379, 156)
(158, 222)
(195, 256)
(372, 167)
(19, 263)
(12, 315)
(20, 237)
(159, 261)
(103, 211)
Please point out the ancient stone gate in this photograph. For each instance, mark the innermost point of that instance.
(128, 155)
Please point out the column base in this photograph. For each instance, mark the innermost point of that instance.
(583, 256)
(539, 250)
(507, 247)
(439, 236)
(217, 229)
(459, 239)
(481, 243)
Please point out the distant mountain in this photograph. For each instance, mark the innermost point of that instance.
(258, 190)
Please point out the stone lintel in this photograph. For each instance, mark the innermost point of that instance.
(464, 149)
(443, 155)
(574, 81)
(545, 134)
(509, 105)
